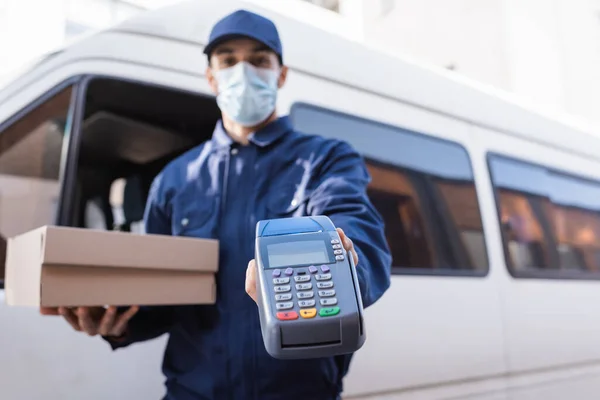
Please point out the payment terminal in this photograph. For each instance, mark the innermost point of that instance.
(308, 295)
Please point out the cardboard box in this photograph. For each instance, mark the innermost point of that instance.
(60, 266)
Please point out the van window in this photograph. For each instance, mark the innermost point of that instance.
(422, 186)
(30, 157)
(129, 132)
(550, 219)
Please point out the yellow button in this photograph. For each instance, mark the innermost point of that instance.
(310, 313)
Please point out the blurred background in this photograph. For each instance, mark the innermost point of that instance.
(547, 52)
(493, 212)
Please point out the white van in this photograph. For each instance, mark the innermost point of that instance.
(492, 211)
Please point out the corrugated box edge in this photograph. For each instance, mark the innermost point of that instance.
(57, 236)
(24, 252)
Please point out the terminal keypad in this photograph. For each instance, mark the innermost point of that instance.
(309, 291)
(313, 286)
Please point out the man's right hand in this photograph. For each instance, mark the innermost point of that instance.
(94, 320)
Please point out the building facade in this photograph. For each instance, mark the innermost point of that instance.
(547, 52)
(56, 23)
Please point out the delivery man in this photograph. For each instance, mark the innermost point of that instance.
(254, 167)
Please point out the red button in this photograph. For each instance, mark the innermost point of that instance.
(287, 315)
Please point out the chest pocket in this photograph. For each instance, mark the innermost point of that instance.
(195, 215)
(286, 201)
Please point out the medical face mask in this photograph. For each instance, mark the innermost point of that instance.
(247, 94)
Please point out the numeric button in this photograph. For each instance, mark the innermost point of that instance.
(303, 286)
(327, 293)
(282, 289)
(306, 303)
(284, 306)
(324, 285)
(323, 277)
(302, 278)
(305, 295)
(279, 281)
(283, 296)
(329, 301)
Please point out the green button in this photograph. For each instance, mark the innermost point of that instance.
(327, 312)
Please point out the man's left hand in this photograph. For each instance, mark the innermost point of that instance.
(251, 270)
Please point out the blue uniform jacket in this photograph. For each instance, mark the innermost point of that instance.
(220, 190)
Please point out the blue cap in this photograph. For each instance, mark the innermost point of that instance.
(244, 23)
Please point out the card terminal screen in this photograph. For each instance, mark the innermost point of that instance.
(288, 254)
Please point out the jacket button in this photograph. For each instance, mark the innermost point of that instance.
(185, 221)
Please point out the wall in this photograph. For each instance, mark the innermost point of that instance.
(464, 35)
(20, 37)
(547, 52)
(579, 28)
(56, 23)
(347, 22)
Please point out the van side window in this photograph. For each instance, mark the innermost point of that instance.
(422, 186)
(30, 157)
(550, 219)
(129, 132)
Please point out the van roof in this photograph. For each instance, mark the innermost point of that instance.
(327, 56)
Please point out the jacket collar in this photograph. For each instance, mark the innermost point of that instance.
(261, 138)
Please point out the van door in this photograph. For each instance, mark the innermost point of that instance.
(547, 205)
(118, 134)
(31, 159)
(128, 132)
